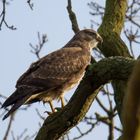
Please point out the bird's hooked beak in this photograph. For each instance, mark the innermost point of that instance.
(99, 38)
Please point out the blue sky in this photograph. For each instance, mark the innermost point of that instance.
(49, 17)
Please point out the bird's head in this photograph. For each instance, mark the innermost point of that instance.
(90, 36)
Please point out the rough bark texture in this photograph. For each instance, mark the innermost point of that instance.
(131, 106)
(114, 68)
(113, 45)
(111, 27)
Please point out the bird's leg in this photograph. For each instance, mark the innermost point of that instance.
(62, 101)
(52, 108)
(51, 105)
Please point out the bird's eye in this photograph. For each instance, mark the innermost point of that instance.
(91, 33)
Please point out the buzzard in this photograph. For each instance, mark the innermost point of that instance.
(51, 76)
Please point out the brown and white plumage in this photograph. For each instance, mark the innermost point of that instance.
(48, 78)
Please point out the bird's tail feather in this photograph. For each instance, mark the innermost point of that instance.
(13, 98)
(19, 97)
(16, 106)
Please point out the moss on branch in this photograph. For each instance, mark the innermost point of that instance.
(114, 15)
(111, 27)
(113, 45)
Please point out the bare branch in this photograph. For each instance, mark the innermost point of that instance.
(31, 5)
(84, 133)
(133, 12)
(38, 113)
(97, 10)
(22, 134)
(37, 48)
(2, 17)
(9, 127)
(102, 106)
(72, 17)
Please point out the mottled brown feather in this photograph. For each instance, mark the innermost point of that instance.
(52, 75)
(56, 68)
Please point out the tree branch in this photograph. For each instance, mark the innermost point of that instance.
(9, 127)
(72, 17)
(98, 74)
(2, 17)
(113, 45)
(36, 49)
(111, 27)
(31, 5)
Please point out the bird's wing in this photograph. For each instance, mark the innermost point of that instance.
(55, 69)
(48, 73)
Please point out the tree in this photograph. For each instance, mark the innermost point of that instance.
(115, 65)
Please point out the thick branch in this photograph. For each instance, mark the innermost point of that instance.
(111, 27)
(56, 125)
(113, 45)
(114, 15)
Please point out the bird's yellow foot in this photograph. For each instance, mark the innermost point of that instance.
(52, 108)
(62, 101)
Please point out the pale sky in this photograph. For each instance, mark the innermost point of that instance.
(49, 17)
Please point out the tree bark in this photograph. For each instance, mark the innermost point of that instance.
(98, 74)
(113, 45)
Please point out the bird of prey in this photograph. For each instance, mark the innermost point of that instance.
(51, 76)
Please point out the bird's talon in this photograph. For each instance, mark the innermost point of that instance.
(48, 112)
(58, 108)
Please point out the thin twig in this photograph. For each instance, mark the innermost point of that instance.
(9, 127)
(37, 48)
(2, 16)
(38, 113)
(102, 106)
(31, 5)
